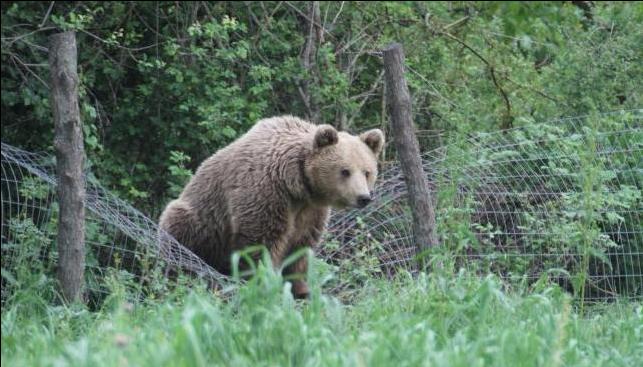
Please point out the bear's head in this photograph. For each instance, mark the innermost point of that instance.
(343, 168)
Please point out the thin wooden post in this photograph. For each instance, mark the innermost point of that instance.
(314, 37)
(400, 109)
(70, 156)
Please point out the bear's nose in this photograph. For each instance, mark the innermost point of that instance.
(363, 200)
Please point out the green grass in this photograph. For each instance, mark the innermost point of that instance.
(431, 320)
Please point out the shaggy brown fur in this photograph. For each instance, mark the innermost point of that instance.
(273, 186)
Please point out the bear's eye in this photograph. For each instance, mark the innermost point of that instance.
(367, 174)
(346, 173)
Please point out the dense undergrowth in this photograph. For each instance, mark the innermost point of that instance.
(430, 319)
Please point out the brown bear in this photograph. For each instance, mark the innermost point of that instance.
(273, 186)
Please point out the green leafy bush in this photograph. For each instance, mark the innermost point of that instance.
(166, 77)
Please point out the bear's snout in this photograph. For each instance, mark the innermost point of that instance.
(363, 200)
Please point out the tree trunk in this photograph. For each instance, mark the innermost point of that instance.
(70, 156)
(399, 105)
(314, 36)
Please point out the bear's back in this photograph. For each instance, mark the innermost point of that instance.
(273, 130)
(247, 160)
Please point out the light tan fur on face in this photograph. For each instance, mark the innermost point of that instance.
(349, 153)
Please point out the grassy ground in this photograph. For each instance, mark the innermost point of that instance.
(428, 321)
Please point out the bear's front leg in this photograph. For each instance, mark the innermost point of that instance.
(310, 225)
(298, 270)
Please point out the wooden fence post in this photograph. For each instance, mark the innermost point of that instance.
(70, 155)
(406, 144)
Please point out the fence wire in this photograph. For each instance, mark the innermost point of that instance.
(560, 199)
(117, 236)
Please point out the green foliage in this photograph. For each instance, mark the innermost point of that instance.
(441, 320)
(180, 175)
(552, 198)
(165, 84)
(158, 78)
(28, 264)
(363, 262)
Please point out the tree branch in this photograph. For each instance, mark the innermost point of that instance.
(507, 118)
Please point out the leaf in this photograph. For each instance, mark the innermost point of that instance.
(229, 132)
(526, 42)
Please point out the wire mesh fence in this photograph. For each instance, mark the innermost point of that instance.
(118, 237)
(560, 199)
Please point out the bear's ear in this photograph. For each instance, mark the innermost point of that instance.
(324, 136)
(374, 139)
